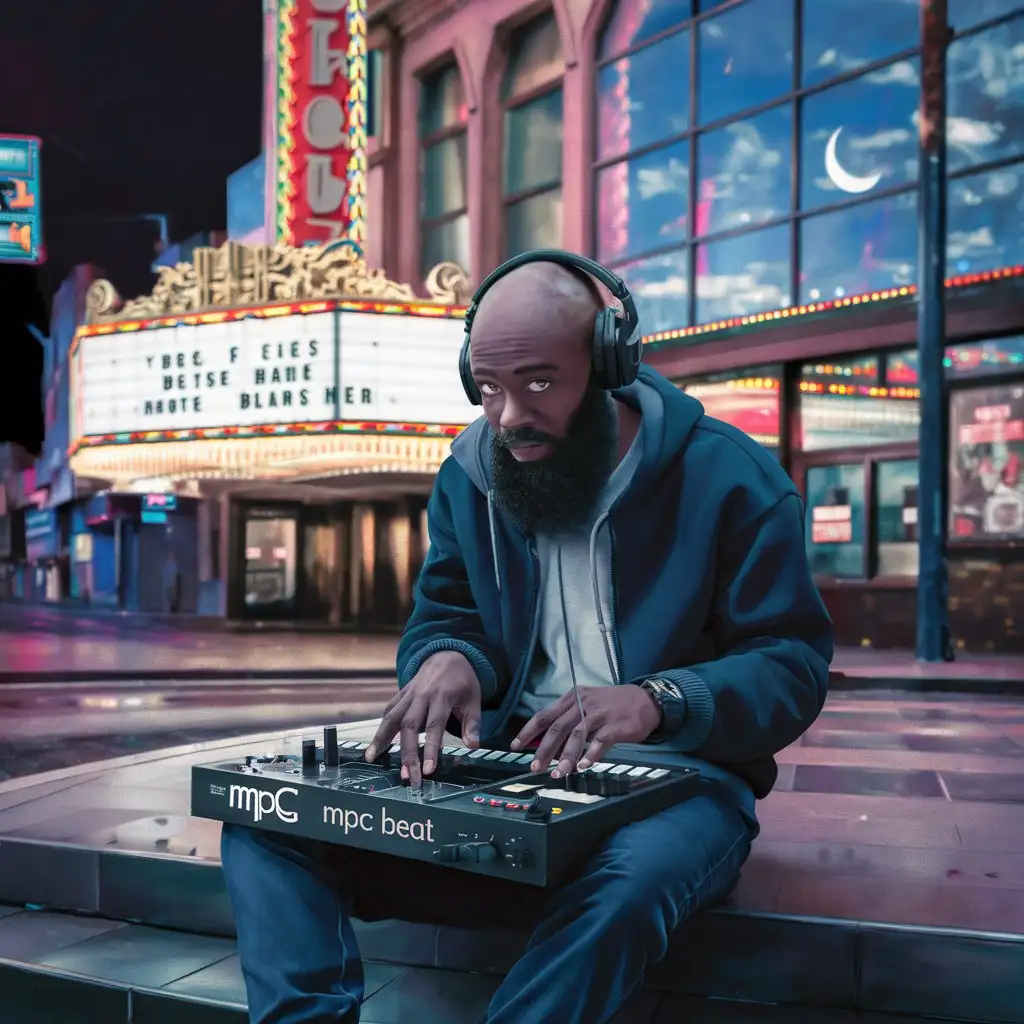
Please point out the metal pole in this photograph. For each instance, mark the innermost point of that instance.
(933, 643)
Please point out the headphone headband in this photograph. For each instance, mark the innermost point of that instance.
(570, 260)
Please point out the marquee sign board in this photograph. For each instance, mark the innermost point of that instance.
(302, 368)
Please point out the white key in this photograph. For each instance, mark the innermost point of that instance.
(524, 758)
(601, 766)
(448, 750)
(481, 753)
(494, 755)
(619, 769)
(348, 745)
(638, 770)
(460, 751)
(510, 758)
(658, 773)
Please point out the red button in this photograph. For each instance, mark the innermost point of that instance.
(496, 803)
(512, 807)
(479, 800)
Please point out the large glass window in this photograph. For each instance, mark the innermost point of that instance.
(744, 274)
(744, 174)
(896, 517)
(677, 172)
(986, 96)
(745, 58)
(986, 436)
(964, 360)
(661, 286)
(860, 137)
(859, 249)
(444, 222)
(532, 171)
(985, 221)
(840, 36)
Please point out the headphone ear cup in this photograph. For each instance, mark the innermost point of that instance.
(466, 374)
(606, 356)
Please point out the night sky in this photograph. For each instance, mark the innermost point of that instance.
(142, 108)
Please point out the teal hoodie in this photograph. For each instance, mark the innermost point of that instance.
(711, 587)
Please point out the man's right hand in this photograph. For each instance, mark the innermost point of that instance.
(445, 685)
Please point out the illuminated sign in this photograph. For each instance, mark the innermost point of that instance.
(21, 221)
(160, 502)
(321, 121)
(312, 368)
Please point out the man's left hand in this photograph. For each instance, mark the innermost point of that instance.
(614, 714)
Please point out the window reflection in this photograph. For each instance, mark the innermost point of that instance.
(631, 22)
(860, 136)
(448, 240)
(661, 287)
(749, 402)
(745, 58)
(642, 204)
(533, 144)
(442, 101)
(644, 98)
(744, 173)
(858, 372)
(964, 360)
(444, 184)
(859, 249)
(535, 57)
(986, 96)
(835, 519)
(747, 274)
(965, 13)
(842, 35)
(830, 421)
(986, 221)
(534, 223)
(896, 517)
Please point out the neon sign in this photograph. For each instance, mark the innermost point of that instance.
(321, 121)
(21, 222)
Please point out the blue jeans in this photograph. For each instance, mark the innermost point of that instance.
(592, 939)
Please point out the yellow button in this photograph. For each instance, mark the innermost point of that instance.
(556, 810)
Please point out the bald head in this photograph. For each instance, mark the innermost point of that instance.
(545, 301)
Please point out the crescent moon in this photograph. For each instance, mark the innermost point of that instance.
(840, 176)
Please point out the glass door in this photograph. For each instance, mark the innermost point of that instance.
(271, 563)
(836, 500)
(322, 585)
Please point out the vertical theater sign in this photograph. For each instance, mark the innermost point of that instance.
(21, 218)
(321, 121)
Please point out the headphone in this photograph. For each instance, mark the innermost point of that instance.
(616, 350)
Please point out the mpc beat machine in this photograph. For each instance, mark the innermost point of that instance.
(481, 810)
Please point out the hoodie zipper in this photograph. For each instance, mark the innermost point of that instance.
(613, 601)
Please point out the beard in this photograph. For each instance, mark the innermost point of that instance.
(560, 493)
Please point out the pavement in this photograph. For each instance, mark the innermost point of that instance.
(38, 643)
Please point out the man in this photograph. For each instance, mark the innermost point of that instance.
(622, 541)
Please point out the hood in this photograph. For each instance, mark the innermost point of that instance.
(668, 417)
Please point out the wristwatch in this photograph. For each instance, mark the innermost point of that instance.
(672, 703)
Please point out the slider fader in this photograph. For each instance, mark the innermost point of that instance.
(482, 810)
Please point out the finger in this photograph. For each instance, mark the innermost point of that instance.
(437, 719)
(469, 718)
(554, 740)
(539, 724)
(415, 716)
(572, 751)
(389, 724)
(599, 745)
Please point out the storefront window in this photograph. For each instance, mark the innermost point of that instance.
(859, 249)
(632, 24)
(963, 14)
(749, 402)
(745, 58)
(963, 361)
(986, 220)
(847, 405)
(986, 96)
(896, 517)
(741, 275)
(660, 285)
(842, 35)
(744, 173)
(860, 137)
(835, 498)
(987, 464)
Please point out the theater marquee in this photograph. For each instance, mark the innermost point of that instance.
(318, 367)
